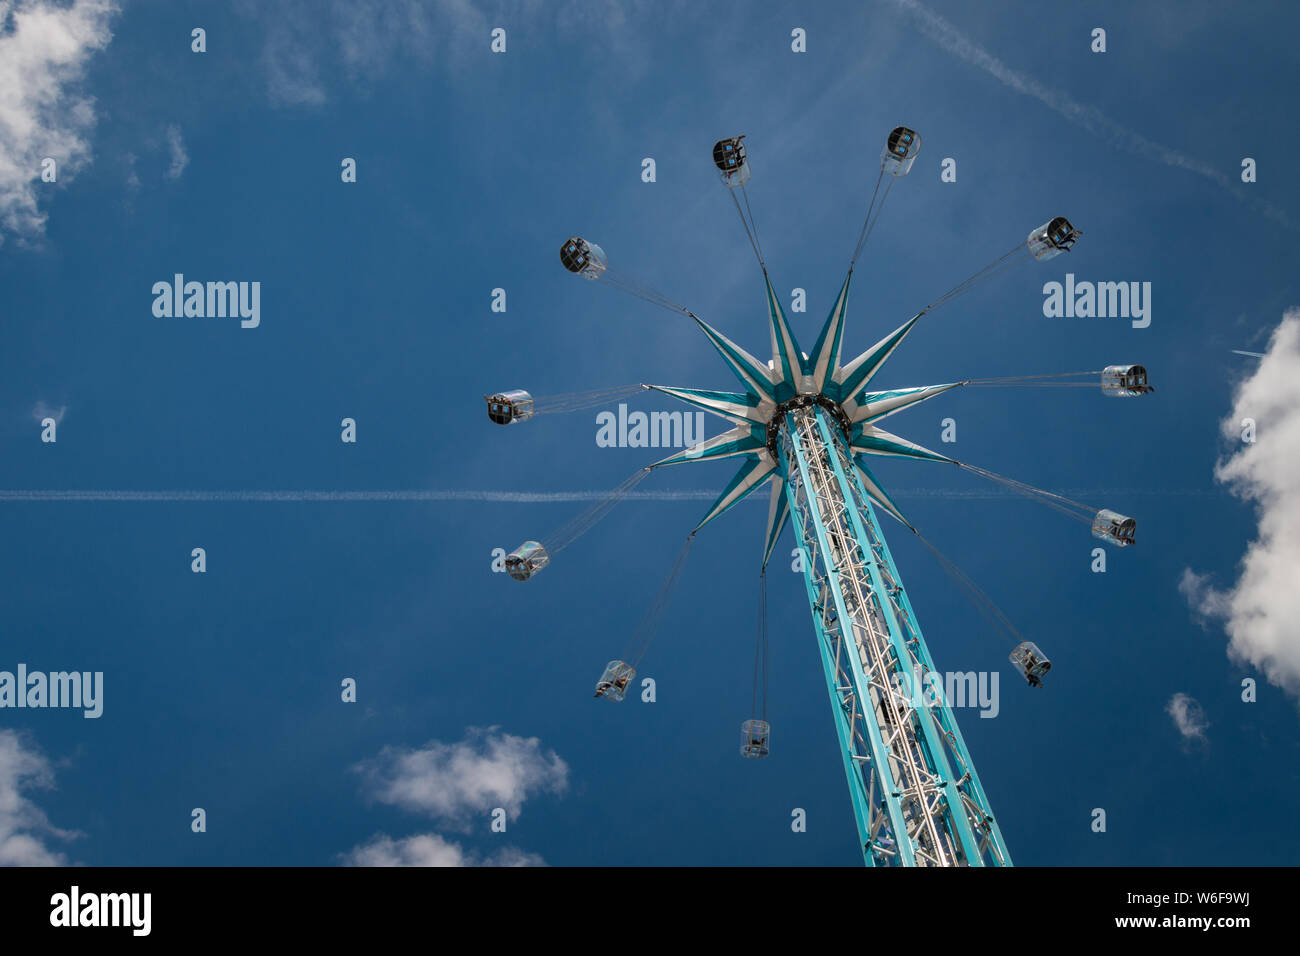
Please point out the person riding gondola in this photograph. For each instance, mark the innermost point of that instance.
(613, 682)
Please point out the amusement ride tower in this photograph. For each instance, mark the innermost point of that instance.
(807, 423)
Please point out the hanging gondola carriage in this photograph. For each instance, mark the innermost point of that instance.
(613, 682)
(900, 151)
(732, 160)
(1052, 238)
(754, 737)
(506, 408)
(1114, 527)
(526, 560)
(1124, 381)
(1031, 662)
(583, 258)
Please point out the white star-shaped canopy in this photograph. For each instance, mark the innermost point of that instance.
(792, 373)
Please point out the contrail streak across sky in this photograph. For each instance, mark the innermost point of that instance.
(946, 35)
(516, 497)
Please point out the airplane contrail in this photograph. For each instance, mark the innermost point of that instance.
(1089, 117)
(335, 496)
(509, 497)
(1252, 354)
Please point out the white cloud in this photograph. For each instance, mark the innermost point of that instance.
(292, 73)
(450, 782)
(24, 828)
(1188, 717)
(43, 410)
(1202, 597)
(43, 51)
(1261, 610)
(179, 158)
(429, 849)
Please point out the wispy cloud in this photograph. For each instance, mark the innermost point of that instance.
(43, 410)
(132, 177)
(43, 112)
(429, 849)
(1202, 597)
(452, 782)
(1259, 612)
(24, 827)
(310, 45)
(946, 35)
(1188, 717)
(179, 157)
(291, 60)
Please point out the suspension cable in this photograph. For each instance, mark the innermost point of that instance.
(869, 222)
(633, 287)
(1066, 506)
(1032, 385)
(1035, 381)
(760, 652)
(648, 628)
(576, 401)
(766, 645)
(751, 227)
(744, 191)
(576, 527)
(1004, 262)
(981, 601)
(1025, 378)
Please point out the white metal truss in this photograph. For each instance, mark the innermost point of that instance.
(916, 796)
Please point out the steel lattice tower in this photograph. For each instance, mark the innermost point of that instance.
(807, 424)
(917, 799)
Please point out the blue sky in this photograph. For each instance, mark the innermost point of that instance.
(222, 689)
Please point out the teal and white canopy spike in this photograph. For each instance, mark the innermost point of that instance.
(756, 470)
(751, 372)
(778, 512)
(737, 407)
(878, 494)
(870, 440)
(787, 360)
(873, 406)
(739, 441)
(852, 377)
(792, 380)
(826, 353)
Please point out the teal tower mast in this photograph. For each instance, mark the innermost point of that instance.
(806, 425)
